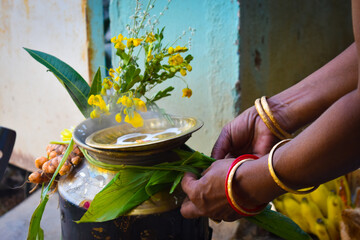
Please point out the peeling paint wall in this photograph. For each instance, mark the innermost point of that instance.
(215, 64)
(281, 42)
(32, 101)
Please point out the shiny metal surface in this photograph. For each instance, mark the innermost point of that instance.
(136, 154)
(156, 133)
(87, 180)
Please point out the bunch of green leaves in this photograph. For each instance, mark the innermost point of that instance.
(133, 185)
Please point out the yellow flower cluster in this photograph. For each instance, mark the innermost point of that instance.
(178, 61)
(131, 106)
(99, 106)
(133, 42)
(150, 38)
(122, 88)
(118, 42)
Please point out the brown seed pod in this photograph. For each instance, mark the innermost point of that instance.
(40, 161)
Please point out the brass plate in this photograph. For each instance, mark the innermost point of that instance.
(155, 133)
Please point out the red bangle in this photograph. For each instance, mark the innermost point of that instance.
(228, 187)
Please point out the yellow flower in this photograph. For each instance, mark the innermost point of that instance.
(120, 45)
(118, 70)
(133, 42)
(140, 105)
(107, 83)
(171, 50)
(91, 100)
(94, 114)
(118, 117)
(129, 102)
(189, 67)
(176, 60)
(149, 56)
(180, 49)
(118, 42)
(111, 72)
(136, 120)
(150, 38)
(183, 72)
(99, 101)
(122, 100)
(66, 134)
(187, 92)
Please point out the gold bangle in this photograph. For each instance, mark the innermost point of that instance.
(270, 114)
(230, 192)
(262, 115)
(276, 179)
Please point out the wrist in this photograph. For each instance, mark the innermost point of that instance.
(253, 184)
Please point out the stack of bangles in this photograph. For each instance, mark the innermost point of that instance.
(229, 188)
(268, 118)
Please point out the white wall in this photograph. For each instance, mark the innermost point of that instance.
(32, 101)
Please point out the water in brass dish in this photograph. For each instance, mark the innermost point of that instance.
(154, 131)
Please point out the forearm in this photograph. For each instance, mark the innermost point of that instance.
(307, 100)
(328, 148)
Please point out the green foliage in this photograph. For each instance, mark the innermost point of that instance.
(135, 184)
(35, 232)
(279, 224)
(76, 86)
(96, 84)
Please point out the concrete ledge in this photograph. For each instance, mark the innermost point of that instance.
(15, 223)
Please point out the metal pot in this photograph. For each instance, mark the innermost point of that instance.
(157, 218)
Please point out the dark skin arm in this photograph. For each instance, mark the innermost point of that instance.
(329, 99)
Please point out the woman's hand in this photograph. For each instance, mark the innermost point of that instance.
(206, 196)
(247, 133)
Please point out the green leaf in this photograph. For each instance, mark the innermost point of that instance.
(162, 94)
(124, 192)
(96, 84)
(76, 86)
(176, 182)
(188, 58)
(125, 57)
(279, 224)
(35, 232)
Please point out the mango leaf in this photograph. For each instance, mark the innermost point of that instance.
(76, 86)
(279, 224)
(96, 84)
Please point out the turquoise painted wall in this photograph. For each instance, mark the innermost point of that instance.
(215, 65)
(284, 41)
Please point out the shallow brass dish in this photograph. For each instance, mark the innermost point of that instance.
(155, 133)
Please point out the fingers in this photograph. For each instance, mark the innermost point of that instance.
(189, 210)
(222, 145)
(188, 183)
